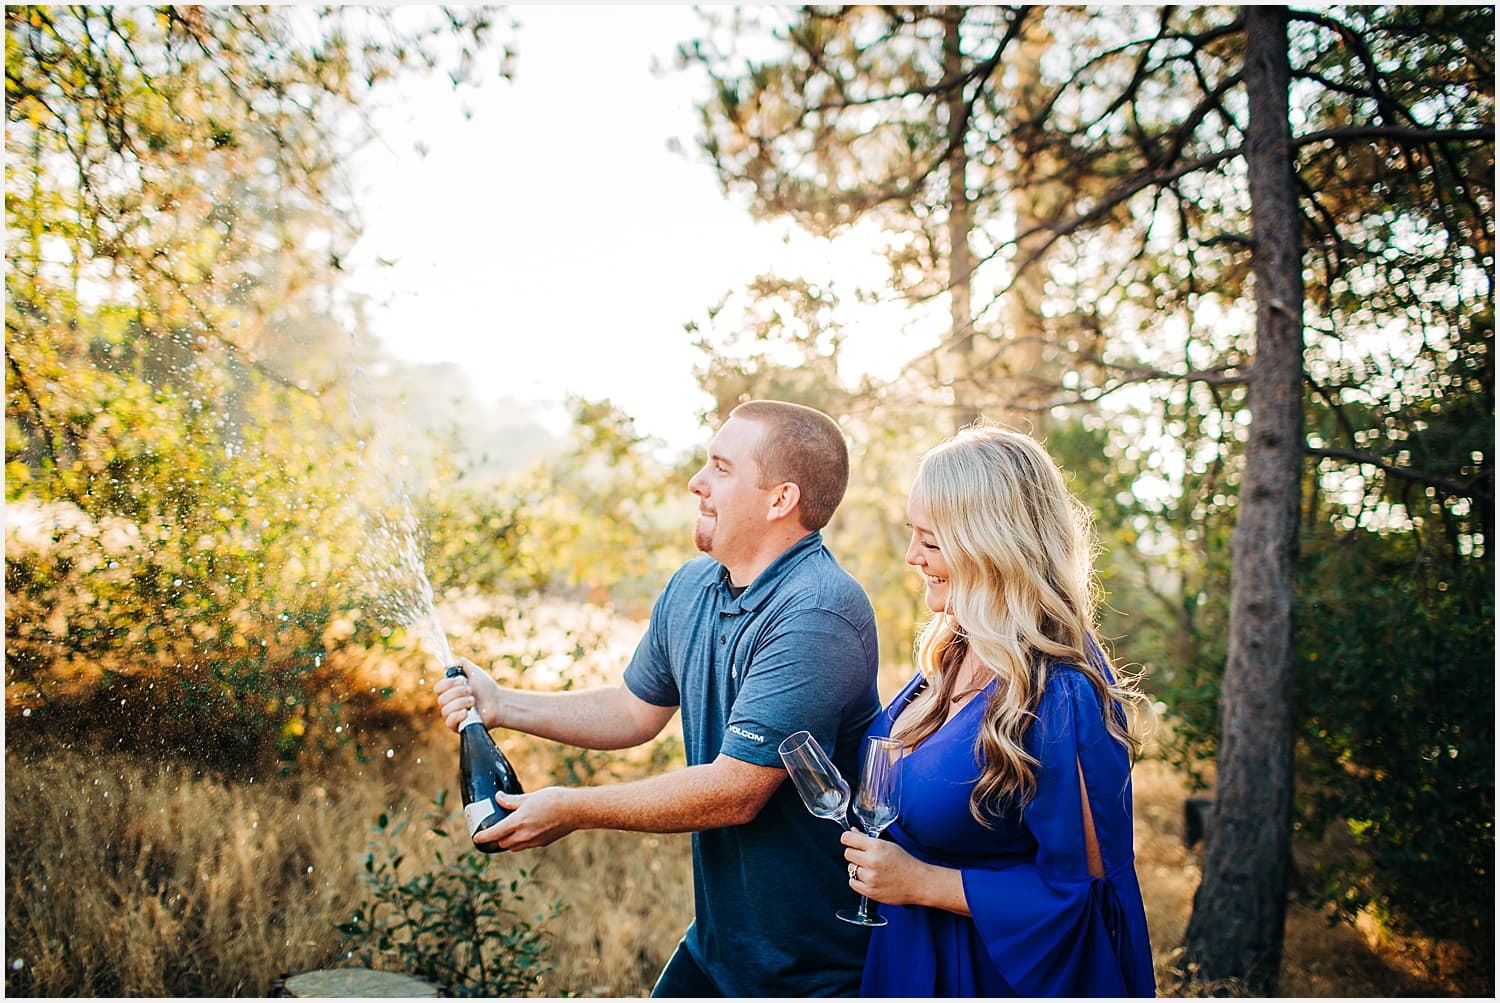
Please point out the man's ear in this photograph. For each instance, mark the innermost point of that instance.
(783, 501)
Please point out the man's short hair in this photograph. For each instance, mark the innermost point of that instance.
(804, 446)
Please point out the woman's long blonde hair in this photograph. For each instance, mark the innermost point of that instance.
(1021, 595)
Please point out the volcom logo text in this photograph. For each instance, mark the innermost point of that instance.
(752, 736)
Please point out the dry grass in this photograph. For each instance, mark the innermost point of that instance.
(131, 878)
(124, 878)
(630, 898)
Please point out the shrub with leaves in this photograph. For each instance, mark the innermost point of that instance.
(460, 923)
(1396, 686)
(174, 420)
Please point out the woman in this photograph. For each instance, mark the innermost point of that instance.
(1010, 871)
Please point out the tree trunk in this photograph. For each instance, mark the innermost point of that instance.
(1239, 911)
(1031, 379)
(960, 368)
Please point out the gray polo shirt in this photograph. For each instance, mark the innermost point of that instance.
(796, 650)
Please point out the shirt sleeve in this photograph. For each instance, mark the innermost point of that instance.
(801, 676)
(1050, 928)
(649, 674)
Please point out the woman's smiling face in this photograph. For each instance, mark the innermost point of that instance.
(923, 554)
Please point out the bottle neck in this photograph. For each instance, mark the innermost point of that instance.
(457, 672)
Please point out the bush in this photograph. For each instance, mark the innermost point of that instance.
(1396, 738)
(1396, 688)
(456, 924)
(184, 565)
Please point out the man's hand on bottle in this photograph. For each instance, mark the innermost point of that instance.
(535, 819)
(456, 694)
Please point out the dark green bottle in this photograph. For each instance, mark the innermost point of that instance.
(483, 771)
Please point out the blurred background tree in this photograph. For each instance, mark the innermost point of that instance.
(176, 219)
(1111, 147)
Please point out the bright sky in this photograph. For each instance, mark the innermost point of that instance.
(553, 244)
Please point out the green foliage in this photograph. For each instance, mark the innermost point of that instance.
(172, 442)
(475, 539)
(836, 113)
(777, 339)
(457, 924)
(606, 520)
(869, 533)
(1395, 681)
(1395, 712)
(1396, 691)
(191, 601)
(1163, 561)
(782, 339)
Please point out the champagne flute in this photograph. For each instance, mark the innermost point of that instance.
(823, 789)
(876, 806)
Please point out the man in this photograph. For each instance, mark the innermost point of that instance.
(763, 636)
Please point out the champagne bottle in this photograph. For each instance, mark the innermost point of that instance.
(483, 770)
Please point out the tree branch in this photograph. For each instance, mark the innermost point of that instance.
(1412, 134)
(1472, 489)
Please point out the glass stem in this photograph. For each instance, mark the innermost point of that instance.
(865, 912)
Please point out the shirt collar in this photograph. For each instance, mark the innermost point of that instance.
(765, 582)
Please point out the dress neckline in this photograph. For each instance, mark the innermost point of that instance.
(910, 693)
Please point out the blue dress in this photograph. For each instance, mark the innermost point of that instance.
(1041, 925)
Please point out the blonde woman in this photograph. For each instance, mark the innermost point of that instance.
(1011, 870)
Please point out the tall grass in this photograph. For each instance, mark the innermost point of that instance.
(131, 878)
(126, 877)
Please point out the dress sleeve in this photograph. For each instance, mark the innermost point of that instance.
(1050, 928)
